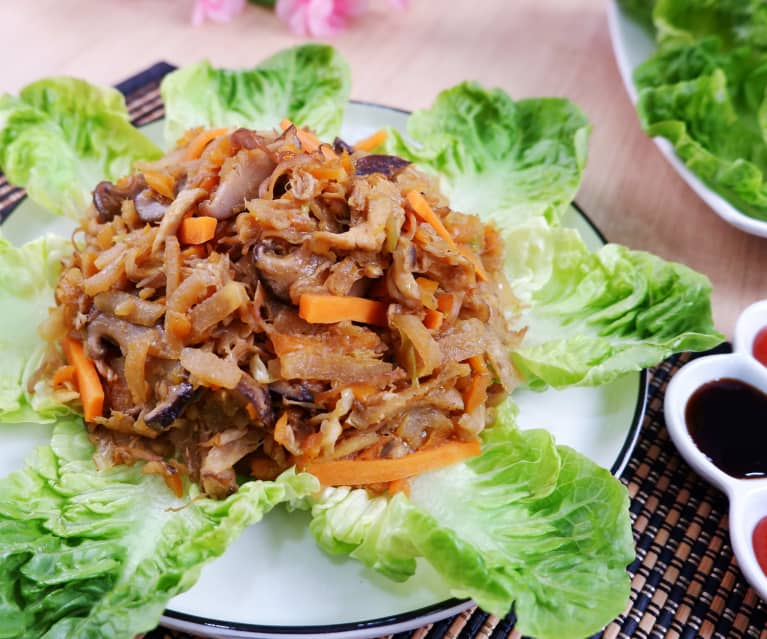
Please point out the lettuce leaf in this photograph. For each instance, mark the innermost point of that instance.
(527, 522)
(704, 91)
(309, 84)
(504, 160)
(595, 316)
(61, 136)
(738, 21)
(97, 554)
(28, 276)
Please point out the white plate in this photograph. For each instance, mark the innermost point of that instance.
(632, 45)
(274, 581)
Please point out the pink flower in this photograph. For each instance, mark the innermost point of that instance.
(216, 10)
(319, 18)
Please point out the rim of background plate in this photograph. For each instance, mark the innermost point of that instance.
(403, 621)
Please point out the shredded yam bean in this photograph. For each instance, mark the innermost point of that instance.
(210, 368)
(260, 349)
(217, 307)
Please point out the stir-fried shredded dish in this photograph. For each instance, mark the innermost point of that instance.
(256, 300)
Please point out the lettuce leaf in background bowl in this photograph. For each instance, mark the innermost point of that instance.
(308, 84)
(704, 91)
(61, 136)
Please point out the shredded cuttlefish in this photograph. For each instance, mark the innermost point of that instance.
(257, 300)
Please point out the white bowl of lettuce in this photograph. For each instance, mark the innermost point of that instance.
(529, 523)
(695, 73)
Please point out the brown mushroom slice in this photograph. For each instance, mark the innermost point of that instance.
(258, 397)
(388, 165)
(339, 146)
(148, 207)
(119, 332)
(247, 139)
(108, 197)
(171, 407)
(240, 180)
(285, 274)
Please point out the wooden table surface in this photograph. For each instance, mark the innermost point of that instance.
(527, 47)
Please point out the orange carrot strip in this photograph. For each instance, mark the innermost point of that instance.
(309, 141)
(88, 382)
(175, 483)
(371, 142)
(422, 209)
(173, 477)
(346, 162)
(194, 251)
(200, 141)
(87, 261)
(281, 429)
(224, 150)
(355, 472)
(479, 268)
(399, 486)
(312, 446)
(329, 309)
(209, 183)
(63, 375)
(328, 152)
(429, 285)
(410, 224)
(427, 289)
(433, 320)
(445, 302)
(327, 173)
(476, 393)
(188, 136)
(197, 230)
(362, 390)
(162, 183)
(477, 363)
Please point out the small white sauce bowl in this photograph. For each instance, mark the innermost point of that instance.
(748, 497)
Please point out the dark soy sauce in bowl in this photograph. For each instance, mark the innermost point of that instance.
(727, 420)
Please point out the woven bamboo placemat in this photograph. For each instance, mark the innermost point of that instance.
(685, 581)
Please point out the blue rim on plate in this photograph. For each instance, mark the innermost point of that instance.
(404, 620)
